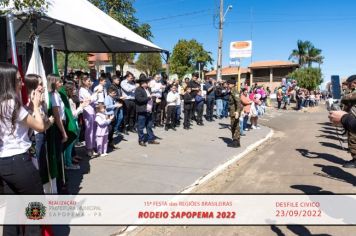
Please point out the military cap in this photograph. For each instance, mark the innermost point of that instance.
(351, 79)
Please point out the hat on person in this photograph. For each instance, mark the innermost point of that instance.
(195, 74)
(143, 79)
(351, 79)
(231, 81)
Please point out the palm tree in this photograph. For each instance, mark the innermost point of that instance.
(300, 53)
(314, 55)
(307, 54)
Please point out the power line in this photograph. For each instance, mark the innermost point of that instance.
(262, 22)
(180, 15)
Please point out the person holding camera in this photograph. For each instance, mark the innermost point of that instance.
(347, 118)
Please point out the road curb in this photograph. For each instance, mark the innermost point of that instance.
(212, 174)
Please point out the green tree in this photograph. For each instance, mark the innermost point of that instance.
(309, 78)
(75, 60)
(23, 4)
(124, 12)
(185, 56)
(150, 63)
(306, 54)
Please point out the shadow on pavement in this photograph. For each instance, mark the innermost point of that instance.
(75, 177)
(224, 126)
(328, 157)
(338, 173)
(337, 138)
(325, 123)
(334, 132)
(299, 230)
(329, 128)
(332, 145)
(226, 140)
(343, 213)
(310, 189)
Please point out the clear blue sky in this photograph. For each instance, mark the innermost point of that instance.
(276, 26)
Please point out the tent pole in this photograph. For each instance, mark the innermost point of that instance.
(113, 56)
(3, 39)
(66, 64)
(53, 61)
(167, 63)
(10, 21)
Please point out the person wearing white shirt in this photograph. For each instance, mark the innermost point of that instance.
(101, 90)
(172, 99)
(128, 87)
(85, 94)
(156, 91)
(16, 168)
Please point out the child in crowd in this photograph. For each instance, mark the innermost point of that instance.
(172, 99)
(102, 130)
(199, 101)
(85, 94)
(188, 100)
(70, 156)
(112, 107)
(101, 90)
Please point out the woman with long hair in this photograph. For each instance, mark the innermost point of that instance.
(85, 94)
(16, 168)
(33, 83)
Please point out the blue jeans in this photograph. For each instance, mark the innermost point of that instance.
(144, 120)
(178, 112)
(119, 116)
(225, 111)
(245, 121)
(219, 107)
(241, 121)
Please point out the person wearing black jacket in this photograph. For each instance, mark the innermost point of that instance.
(195, 86)
(144, 104)
(119, 113)
(188, 101)
(209, 87)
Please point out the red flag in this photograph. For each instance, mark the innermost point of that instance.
(47, 230)
(24, 94)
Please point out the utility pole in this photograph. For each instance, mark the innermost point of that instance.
(221, 21)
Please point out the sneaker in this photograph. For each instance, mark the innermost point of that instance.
(95, 154)
(72, 167)
(80, 144)
(246, 129)
(253, 127)
(104, 155)
(257, 127)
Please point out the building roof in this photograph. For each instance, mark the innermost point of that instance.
(228, 71)
(271, 64)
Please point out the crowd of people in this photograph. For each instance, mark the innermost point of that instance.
(78, 111)
(303, 97)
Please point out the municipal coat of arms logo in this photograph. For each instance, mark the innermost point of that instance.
(35, 211)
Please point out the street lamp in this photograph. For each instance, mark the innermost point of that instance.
(221, 22)
(227, 10)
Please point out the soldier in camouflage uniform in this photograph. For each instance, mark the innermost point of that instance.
(349, 105)
(235, 108)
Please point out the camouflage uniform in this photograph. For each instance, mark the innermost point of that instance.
(349, 102)
(235, 106)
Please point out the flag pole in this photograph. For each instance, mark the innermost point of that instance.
(10, 22)
(238, 74)
(53, 61)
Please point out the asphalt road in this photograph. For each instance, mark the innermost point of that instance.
(304, 156)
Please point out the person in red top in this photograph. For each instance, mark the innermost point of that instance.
(246, 102)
